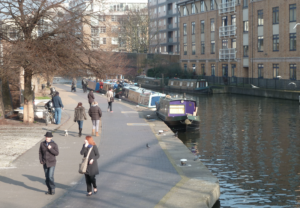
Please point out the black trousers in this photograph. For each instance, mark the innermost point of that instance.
(90, 180)
(110, 105)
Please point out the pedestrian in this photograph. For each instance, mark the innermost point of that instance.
(57, 104)
(74, 83)
(84, 84)
(95, 114)
(47, 155)
(79, 116)
(92, 168)
(110, 99)
(91, 97)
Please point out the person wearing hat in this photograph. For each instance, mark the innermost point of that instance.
(47, 155)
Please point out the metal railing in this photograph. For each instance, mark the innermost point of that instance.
(170, 12)
(227, 7)
(170, 40)
(227, 54)
(227, 31)
(170, 26)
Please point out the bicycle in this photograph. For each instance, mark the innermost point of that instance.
(50, 115)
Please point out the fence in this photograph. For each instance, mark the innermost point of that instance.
(276, 84)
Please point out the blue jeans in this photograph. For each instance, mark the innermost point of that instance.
(57, 115)
(49, 174)
(80, 124)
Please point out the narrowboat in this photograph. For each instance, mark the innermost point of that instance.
(178, 112)
(200, 86)
(149, 82)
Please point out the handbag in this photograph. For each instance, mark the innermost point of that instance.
(112, 99)
(83, 165)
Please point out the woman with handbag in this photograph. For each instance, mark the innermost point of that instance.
(79, 116)
(90, 150)
(110, 99)
(95, 114)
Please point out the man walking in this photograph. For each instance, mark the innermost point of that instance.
(57, 104)
(84, 84)
(47, 155)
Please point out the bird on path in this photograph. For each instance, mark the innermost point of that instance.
(253, 86)
(176, 134)
(293, 83)
(147, 145)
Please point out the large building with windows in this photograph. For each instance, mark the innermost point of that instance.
(231, 39)
(164, 26)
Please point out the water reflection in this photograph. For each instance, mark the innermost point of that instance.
(252, 145)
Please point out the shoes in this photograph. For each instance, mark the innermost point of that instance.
(80, 130)
(89, 194)
(97, 134)
(93, 132)
(111, 111)
(95, 191)
(50, 192)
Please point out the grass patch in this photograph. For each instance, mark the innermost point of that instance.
(42, 98)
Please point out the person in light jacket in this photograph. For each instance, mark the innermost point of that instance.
(79, 116)
(95, 114)
(109, 95)
(92, 168)
(47, 155)
(91, 97)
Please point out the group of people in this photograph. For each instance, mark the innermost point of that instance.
(49, 149)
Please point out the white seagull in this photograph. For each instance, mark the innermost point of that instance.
(293, 83)
(253, 86)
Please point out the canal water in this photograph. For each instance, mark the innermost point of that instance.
(252, 145)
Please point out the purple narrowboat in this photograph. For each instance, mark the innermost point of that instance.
(178, 112)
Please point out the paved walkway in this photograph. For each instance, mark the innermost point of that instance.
(130, 174)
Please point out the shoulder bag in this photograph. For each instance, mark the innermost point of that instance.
(83, 165)
(112, 99)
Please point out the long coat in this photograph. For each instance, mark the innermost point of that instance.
(109, 95)
(79, 114)
(48, 156)
(91, 97)
(93, 168)
(95, 112)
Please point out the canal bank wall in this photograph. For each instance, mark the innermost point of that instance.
(197, 187)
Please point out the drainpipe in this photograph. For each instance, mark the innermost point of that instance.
(252, 41)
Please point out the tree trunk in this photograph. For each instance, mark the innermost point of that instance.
(28, 98)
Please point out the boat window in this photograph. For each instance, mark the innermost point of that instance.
(177, 109)
(172, 83)
(192, 84)
(188, 84)
(180, 84)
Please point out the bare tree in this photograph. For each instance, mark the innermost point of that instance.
(44, 37)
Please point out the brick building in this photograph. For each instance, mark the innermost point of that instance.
(230, 39)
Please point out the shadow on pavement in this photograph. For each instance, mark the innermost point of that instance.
(42, 180)
(18, 183)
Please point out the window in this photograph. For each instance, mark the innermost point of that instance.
(184, 29)
(158, 9)
(212, 47)
(275, 16)
(114, 18)
(202, 6)
(293, 14)
(95, 43)
(260, 18)
(194, 68)
(224, 44)
(246, 26)
(224, 21)
(202, 47)
(212, 5)
(260, 71)
(114, 29)
(293, 41)
(184, 11)
(193, 28)
(245, 49)
(202, 26)
(185, 69)
(233, 66)
(193, 9)
(102, 29)
(102, 18)
(245, 3)
(103, 41)
(275, 71)
(293, 71)
(114, 41)
(94, 21)
(185, 50)
(233, 19)
(193, 49)
(233, 43)
(212, 25)
(164, 8)
(260, 44)
(213, 67)
(94, 31)
(225, 70)
(275, 42)
(203, 69)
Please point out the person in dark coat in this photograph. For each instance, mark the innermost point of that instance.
(91, 97)
(95, 114)
(84, 84)
(47, 155)
(57, 104)
(79, 116)
(92, 168)
(74, 83)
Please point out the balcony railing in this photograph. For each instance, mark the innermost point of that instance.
(170, 12)
(227, 7)
(227, 54)
(170, 26)
(227, 31)
(170, 40)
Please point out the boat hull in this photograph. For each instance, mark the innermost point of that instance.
(180, 121)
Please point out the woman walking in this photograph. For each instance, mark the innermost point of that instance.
(95, 114)
(110, 99)
(91, 97)
(92, 168)
(79, 115)
(74, 83)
